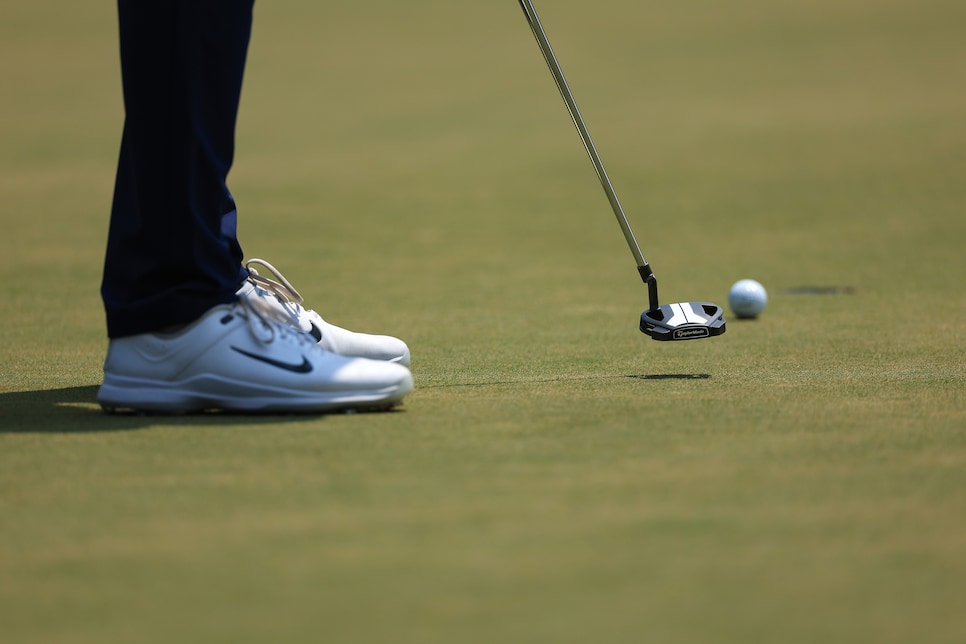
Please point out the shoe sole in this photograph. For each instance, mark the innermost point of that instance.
(120, 395)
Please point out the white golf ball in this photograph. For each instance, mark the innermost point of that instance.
(747, 298)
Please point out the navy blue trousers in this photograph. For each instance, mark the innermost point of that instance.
(172, 251)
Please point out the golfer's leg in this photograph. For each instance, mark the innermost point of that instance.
(172, 251)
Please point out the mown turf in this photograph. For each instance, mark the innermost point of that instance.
(555, 477)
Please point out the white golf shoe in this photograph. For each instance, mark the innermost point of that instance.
(241, 358)
(282, 296)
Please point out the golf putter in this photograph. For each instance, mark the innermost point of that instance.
(679, 321)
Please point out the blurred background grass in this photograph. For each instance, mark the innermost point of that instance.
(555, 476)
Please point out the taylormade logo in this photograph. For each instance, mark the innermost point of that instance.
(687, 334)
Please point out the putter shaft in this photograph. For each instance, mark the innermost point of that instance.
(541, 36)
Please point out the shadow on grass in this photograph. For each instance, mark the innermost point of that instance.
(671, 376)
(640, 376)
(74, 410)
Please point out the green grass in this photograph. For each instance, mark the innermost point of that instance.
(555, 477)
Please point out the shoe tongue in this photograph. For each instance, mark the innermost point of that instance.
(247, 288)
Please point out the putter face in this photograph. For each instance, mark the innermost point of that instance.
(683, 321)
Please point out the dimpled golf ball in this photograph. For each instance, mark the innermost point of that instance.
(747, 298)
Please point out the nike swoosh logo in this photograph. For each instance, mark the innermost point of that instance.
(316, 332)
(305, 367)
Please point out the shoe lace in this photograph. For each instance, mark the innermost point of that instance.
(280, 287)
(265, 321)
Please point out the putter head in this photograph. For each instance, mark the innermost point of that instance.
(683, 321)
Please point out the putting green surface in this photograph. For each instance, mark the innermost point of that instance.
(556, 476)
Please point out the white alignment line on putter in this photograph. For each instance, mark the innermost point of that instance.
(679, 321)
